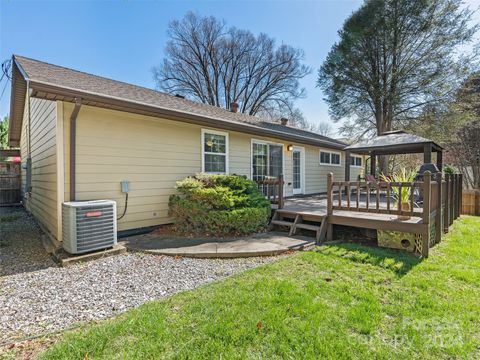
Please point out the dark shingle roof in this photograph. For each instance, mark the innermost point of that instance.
(39, 72)
(297, 131)
(393, 139)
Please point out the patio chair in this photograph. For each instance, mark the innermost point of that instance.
(353, 187)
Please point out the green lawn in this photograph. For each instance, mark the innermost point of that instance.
(342, 301)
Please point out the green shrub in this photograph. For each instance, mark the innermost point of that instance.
(448, 169)
(219, 205)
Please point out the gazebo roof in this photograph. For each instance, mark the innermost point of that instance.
(393, 142)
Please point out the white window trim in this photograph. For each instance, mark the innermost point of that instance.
(202, 143)
(265, 142)
(356, 156)
(331, 152)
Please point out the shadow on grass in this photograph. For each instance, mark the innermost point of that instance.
(399, 262)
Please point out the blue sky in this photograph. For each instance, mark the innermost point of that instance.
(123, 40)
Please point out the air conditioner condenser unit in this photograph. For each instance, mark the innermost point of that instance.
(89, 225)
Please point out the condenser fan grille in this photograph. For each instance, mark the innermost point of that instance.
(89, 226)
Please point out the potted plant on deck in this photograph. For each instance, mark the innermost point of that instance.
(401, 195)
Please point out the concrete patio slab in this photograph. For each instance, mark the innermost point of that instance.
(267, 244)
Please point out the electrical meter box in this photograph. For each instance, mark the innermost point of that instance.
(125, 186)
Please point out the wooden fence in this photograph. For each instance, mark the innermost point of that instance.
(471, 202)
(10, 177)
(9, 189)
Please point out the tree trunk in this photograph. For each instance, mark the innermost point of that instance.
(382, 126)
(383, 164)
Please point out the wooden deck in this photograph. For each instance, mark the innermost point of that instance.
(313, 209)
(432, 206)
(318, 203)
(311, 213)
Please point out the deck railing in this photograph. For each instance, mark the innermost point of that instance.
(349, 195)
(432, 199)
(272, 188)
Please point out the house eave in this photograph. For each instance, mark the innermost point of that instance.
(17, 103)
(53, 92)
(413, 148)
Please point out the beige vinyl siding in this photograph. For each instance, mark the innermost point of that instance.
(316, 173)
(42, 201)
(152, 154)
(24, 150)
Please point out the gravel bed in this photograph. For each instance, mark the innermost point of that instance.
(21, 247)
(38, 297)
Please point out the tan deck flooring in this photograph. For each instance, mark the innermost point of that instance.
(316, 206)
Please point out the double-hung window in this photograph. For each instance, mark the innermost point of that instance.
(267, 160)
(214, 152)
(330, 158)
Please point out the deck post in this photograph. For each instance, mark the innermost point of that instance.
(329, 205)
(460, 193)
(457, 212)
(446, 211)
(427, 187)
(438, 215)
(455, 196)
(427, 153)
(452, 197)
(455, 191)
(347, 165)
(459, 201)
(373, 165)
(280, 191)
(440, 160)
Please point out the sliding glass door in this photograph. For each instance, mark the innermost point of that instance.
(267, 160)
(259, 161)
(275, 160)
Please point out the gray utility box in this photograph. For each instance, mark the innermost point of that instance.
(89, 225)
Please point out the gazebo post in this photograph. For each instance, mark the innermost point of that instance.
(347, 165)
(373, 164)
(440, 160)
(427, 153)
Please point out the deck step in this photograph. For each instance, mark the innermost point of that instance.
(280, 218)
(307, 227)
(286, 214)
(282, 223)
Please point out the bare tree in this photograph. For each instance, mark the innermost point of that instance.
(462, 135)
(464, 151)
(216, 65)
(323, 128)
(394, 58)
(293, 114)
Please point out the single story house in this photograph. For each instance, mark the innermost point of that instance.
(81, 135)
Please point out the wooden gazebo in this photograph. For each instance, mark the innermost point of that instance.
(393, 143)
